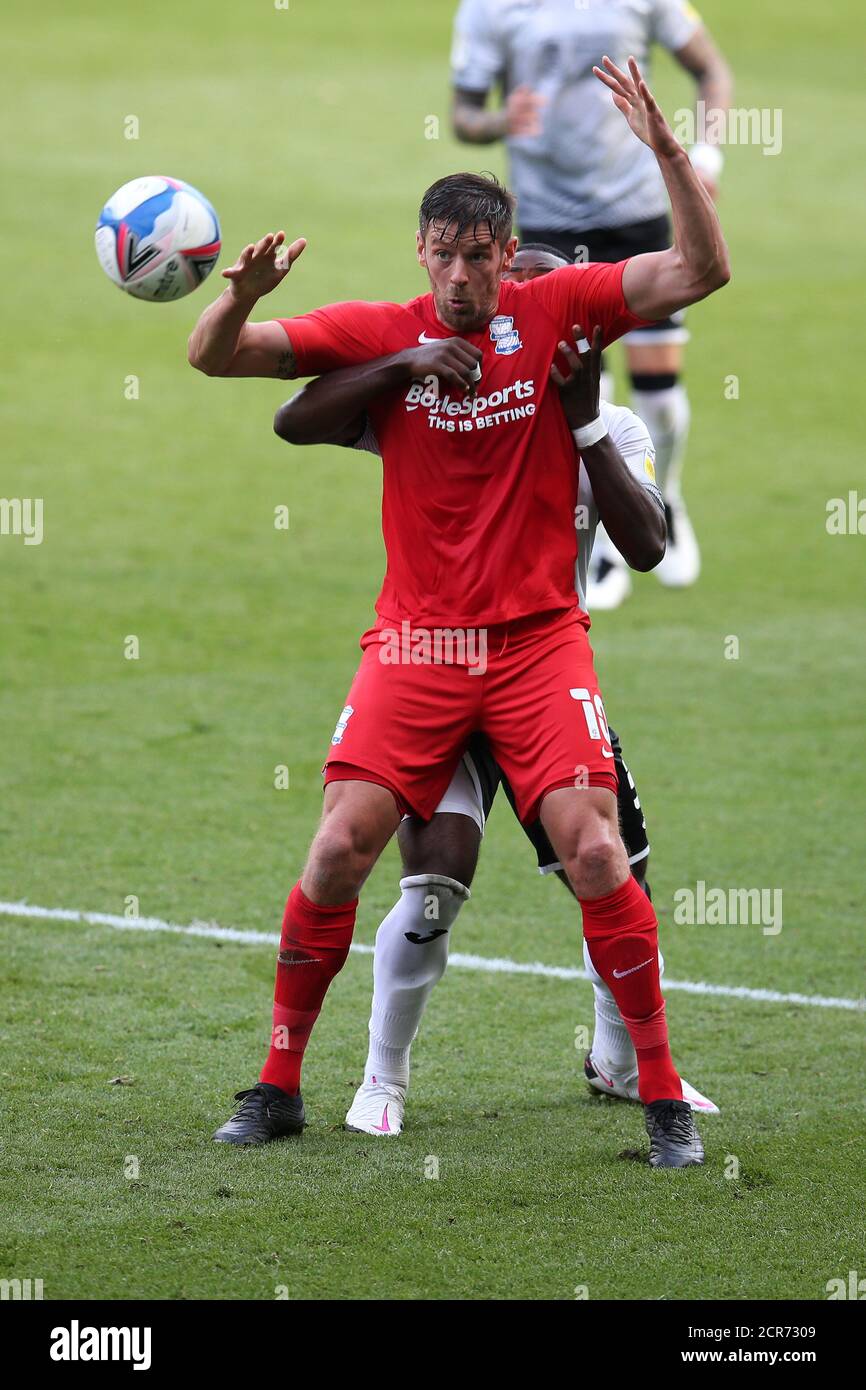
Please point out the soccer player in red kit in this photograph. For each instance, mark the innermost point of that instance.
(480, 483)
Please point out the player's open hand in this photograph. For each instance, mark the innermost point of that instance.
(523, 111)
(633, 98)
(451, 360)
(580, 391)
(261, 267)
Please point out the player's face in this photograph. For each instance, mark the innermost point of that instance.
(465, 274)
(528, 265)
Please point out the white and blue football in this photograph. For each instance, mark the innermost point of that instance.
(157, 238)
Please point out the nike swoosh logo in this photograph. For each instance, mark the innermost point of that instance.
(619, 974)
(422, 338)
(422, 940)
(384, 1127)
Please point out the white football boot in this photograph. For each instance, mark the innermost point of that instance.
(378, 1108)
(681, 562)
(624, 1086)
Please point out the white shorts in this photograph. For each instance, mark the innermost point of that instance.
(463, 796)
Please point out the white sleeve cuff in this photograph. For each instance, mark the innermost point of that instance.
(707, 159)
(591, 433)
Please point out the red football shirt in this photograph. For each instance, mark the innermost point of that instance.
(478, 495)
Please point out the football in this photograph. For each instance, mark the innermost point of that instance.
(157, 238)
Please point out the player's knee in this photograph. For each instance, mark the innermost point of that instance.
(344, 847)
(595, 864)
(597, 856)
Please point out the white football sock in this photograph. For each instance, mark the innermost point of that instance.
(405, 970)
(666, 415)
(611, 1047)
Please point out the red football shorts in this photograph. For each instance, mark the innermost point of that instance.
(419, 693)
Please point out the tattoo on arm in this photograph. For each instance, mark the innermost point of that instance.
(286, 365)
(472, 122)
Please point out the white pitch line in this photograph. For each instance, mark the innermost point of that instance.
(491, 965)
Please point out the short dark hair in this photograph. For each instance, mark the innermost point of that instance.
(467, 200)
(543, 247)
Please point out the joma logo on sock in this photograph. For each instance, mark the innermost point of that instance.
(732, 907)
(77, 1343)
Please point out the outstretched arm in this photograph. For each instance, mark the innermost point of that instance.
(633, 514)
(659, 283)
(331, 409)
(223, 343)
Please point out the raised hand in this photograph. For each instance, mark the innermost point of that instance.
(261, 267)
(633, 98)
(580, 390)
(523, 111)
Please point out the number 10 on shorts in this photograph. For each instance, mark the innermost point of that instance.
(596, 719)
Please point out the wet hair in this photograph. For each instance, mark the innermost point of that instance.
(468, 200)
(543, 247)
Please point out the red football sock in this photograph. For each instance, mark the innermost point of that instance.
(622, 936)
(313, 948)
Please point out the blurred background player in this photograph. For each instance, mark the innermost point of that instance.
(590, 193)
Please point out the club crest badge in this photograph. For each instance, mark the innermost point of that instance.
(504, 335)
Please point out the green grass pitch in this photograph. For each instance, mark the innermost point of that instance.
(154, 778)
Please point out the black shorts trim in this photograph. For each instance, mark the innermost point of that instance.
(606, 243)
(632, 824)
(611, 244)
